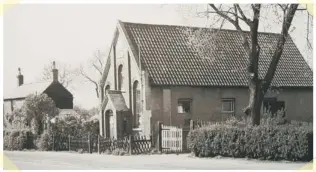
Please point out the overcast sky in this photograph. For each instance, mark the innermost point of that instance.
(36, 35)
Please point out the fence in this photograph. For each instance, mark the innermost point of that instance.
(194, 124)
(96, 143)
(170, 139)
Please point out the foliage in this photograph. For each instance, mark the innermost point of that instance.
(75, 127)
(37, 108)
(80, 151)
(16, 120)
(269, 141)
(17, 140)
(119, 152)
(45, 142)
(69, 125)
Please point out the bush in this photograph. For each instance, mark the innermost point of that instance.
(45, 142)
(266, 141)
(80, 151)
(119, 152)
(17, 140)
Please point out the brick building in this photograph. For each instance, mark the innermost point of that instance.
(152, 74)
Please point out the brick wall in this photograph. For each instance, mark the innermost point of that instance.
(206, 103)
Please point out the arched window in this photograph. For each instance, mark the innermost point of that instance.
(120, 77)
(136, 104)
(106, 89)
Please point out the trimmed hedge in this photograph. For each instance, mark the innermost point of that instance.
(268, 142)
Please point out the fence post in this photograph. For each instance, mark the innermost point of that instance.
(99, 144)
(191, 124)
(89, 143)
(69, 142)
(53, 143)
(159, 136)
(130, 144)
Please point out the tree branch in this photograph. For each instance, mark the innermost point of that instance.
(247, 20)
(236, 15)
(280, 45)
(91, 80)
(228, 12)
(243, 34)
(97, 68)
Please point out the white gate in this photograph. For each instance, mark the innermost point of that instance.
(171, 139)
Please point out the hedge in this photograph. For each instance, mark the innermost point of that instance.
(268, 142)
(18, 140)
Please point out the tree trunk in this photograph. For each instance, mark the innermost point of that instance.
(255, 101)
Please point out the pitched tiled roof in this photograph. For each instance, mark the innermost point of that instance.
(170, 60)
(26, 89)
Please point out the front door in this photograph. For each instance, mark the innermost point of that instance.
(108, 128)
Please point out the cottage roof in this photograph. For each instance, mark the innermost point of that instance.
(26, 89)
(170, 60)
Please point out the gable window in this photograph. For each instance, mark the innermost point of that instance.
(228, 106)
(184, 105)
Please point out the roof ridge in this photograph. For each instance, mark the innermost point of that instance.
(194, 27)
(40, 82)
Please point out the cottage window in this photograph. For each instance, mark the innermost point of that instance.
(184, 106)
(228, 106)
(273, 106)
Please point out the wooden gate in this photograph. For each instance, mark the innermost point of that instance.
(171, 139)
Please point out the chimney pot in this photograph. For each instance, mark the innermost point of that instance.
(55, 72)
(20, 77)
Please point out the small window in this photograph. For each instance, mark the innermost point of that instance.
(228, 105)
(184, 106)
(273, 106)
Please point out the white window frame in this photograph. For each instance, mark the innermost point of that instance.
(232, 106)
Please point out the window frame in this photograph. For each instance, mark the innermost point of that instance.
(232, 101)
(184, 100)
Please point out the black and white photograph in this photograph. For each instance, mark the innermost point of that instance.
(140, 85)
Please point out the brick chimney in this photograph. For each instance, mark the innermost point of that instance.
(20, 78)
(55, 73)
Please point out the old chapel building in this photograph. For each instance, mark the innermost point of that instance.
(54, 89)
(152, 74)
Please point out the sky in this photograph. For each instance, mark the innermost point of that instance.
(35, 35)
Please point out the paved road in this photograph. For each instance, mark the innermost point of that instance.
(75, 161)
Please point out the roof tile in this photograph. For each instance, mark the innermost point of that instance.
(170, 60)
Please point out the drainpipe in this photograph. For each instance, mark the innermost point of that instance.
(141, 80)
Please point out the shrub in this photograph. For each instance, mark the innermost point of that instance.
(17, 140)
(119, 152)
(80, 151)
(45, 142)
(267, 141)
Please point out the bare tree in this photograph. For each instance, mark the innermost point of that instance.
(66, 74)
(92, 72)
(249, 17)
